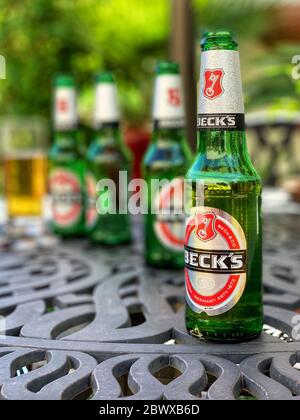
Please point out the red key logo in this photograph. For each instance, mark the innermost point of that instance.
(205, 229)
(174, 97)
(213, 83)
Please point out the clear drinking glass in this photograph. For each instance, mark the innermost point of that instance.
(24, 154)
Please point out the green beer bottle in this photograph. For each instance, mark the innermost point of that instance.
(107, 220)
(223, 245)
(67, 167)
(168, 158)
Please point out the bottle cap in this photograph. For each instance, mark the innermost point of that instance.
(168, 67)
(64, 80)
(218, 40)
(105, 77)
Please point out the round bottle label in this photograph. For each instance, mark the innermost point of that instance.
(91, 214)
(169, 225)
(66, 193)
(215, 261)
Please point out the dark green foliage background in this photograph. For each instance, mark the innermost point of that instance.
(43, 37)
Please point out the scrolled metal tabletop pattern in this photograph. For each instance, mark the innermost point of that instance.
(97, 324)
(65, 375)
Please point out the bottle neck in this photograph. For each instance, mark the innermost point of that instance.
(66, 138)
(171, 135)
(217, 145)
(224, 153)
(109, 132)
(108, 129)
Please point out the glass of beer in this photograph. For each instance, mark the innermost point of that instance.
(25, 169)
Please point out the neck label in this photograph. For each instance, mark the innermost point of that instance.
(221, 105)
(65, 108)
(106, 105)
(221, 122)
(168, 109)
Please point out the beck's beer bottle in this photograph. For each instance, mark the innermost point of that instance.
(223, 244)
(67, 167)
(167, 159)
(107, 159)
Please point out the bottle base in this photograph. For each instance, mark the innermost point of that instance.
(68, 237)
(67, 234)
(223, 339)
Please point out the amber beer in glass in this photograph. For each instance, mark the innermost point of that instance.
(25, 169)
(223, 244)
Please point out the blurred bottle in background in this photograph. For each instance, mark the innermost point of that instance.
(106, 158)
(24, 151)
(168, 158)
(67, 166)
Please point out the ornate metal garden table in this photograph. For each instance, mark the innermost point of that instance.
(83, 323)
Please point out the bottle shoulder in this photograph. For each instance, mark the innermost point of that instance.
(167, 154)
(227, 168)
(65, 153)
(105, 152)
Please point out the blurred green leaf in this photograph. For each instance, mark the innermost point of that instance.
(43, 37)
(246, 18)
